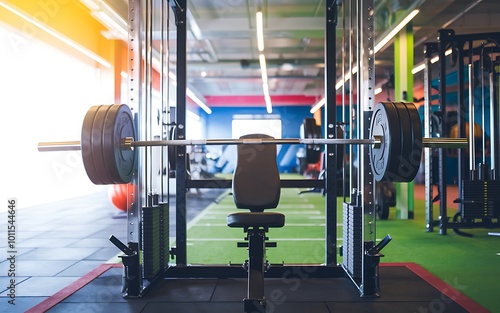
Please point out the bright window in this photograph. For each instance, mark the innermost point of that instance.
(253, 124)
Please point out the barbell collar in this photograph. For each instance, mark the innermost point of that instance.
(445, 142)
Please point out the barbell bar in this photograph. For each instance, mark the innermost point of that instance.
(129, 143)
(108, 142)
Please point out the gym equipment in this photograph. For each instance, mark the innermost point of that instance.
(475, 57)
(104, 128)
(256, 187)
(108, 142)
(147, 221)
(309, 129)
(385, 198)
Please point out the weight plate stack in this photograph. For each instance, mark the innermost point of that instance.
(104, 130)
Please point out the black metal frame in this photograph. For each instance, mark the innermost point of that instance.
(464, 49)
(136, 285)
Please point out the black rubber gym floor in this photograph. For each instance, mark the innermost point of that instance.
(404, 288)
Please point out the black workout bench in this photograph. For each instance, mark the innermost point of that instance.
(256, 187)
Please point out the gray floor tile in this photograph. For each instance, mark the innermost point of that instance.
(93, 243)
(42, 286)
(104, 254)
(28, 267)
(80, 268)
(60, 253)
(46, 242)
(22, 304)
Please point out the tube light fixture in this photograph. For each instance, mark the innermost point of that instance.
(421, 66)
(262, 61)
(191, 95)
(263, 68)
(376, 49)
(318, 105)
(197, 100)
(260, 31)
(57, 35)
(115, 24)
(395, 30)
(265, 86)
(267, 98)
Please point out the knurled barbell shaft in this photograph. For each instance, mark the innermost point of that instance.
(59, 146)
(129, 142)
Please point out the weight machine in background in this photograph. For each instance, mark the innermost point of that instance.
(476, 60)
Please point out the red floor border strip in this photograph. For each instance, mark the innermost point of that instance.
(452, 293)
(67, 291)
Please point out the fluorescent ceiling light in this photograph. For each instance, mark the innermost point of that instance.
(421, 66)
(191, 94)
(346, 78)
(378, 90)
(197, 100)
(262, 61)
(260, 32)
(56, 35)
(378, 47)
(318, 105)
(116, 25)
(267, 98)
(395, 30)
(263, 68)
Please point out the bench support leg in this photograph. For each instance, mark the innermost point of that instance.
(255, 301)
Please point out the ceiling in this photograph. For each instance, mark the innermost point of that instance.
(223, 64)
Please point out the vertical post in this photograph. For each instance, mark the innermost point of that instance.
(443, 40)
(331, 132)
(366, 100)
(403, 91)
(429, 49)
(133, 275)
(461, 154)
(494, 119)
(472, 119)
(180, 8)
(135, 94)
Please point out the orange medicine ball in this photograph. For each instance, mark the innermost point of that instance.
(122, 196)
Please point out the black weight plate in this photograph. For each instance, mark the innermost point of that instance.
(385, 123)
(87, 145)
(403, 171)
(119, 161)
(98, 145)
(414, 159)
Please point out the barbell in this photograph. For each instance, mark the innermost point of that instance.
(108, 143)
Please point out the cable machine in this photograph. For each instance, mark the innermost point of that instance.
(476, 60)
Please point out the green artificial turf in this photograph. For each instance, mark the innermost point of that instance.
(470, 265)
